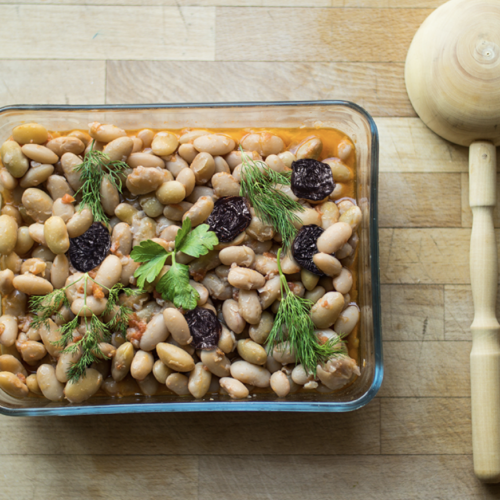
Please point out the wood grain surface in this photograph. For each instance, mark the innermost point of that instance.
(414, 440)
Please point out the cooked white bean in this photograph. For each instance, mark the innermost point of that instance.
(36, 175)
(85, 387)
(40, 154)
(31, 351)
(260, 331)
(289, 265)
(119, 149)
(178, 383)
(120, 364)
(258, 229)
(12, 385)
(263, 143)
(56, 235)
(51, 388)
(143, 229)
(200, 191)
(275, 163)
(352, 216)
(347, 320)
(85, 308)
(280, 384)
(109, 272)
(334, 238)
(240, 255)
(214, 144)
(225, 184)
(199, 381)
(203, 167)
(177, 326)
(9, 363)
(8, 234)
(80, 222)
(144, 180)
(227, 341)
(13, 159)
(200, 211)
(234, 388)
(121, 241)
(343, 282)
(287, 158)
(344, 149)
(249, 306)
(38, 204)
(250, 374)
(217, 288)
(174, 357)
(32, 285)
(58, 186)
(252, 352)
(340, 171)
(188, 152)
(6, 281)
(300, 376)
(149, 386)
(283, 353)
(13, 262)
(307, 217)
(325, 311)
(161, 371)
(270, 292)
(310, 148)
(142, 364)
(146, 135)
(8, 330)
(245, 279)
(145, 160)
(156, 332)
(344, 252)
(63, 210)
(64, 363)
(7, 180)
(171, 192)
(315, 294)
(232, 316)
(329, 214)
(327, 263)
(32, 384)
(50, 337)
(164, 143)
(105, 132)
(310, 280)
(66, 144)
(110, 198)
(69, 162)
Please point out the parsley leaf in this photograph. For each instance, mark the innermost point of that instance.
(198, 242)
(182, 233)
(175, 286)
(153, 257)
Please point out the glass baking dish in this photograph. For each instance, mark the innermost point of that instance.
(341, 115)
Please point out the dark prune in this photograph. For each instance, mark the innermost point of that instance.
(230, 217)
(305, 246)
(311, 179)
(204, 327)
(90, 249)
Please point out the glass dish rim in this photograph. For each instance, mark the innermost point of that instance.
(235, 405)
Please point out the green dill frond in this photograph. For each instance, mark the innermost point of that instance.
(46, 306)
(293, 324)
(259, 184)
(95, 166)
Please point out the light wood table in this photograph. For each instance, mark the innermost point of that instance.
(413, 441)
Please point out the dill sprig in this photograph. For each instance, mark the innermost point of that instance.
(96, 330)
(293, 324)
(259, 184)
(95, 166)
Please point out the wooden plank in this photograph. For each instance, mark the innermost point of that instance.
(250, 81)
(426, 426)
(40, 82)
(386, 4)
(340, 35)
(419, 200)
(407, 145)
(347, 478)
(413, 312)
(197, 433)
(106, 32)
(426, 369)
(425, 256)
(43, 477)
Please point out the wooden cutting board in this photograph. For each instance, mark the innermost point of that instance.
(413, 441)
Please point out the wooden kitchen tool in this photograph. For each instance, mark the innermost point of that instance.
(453, 79)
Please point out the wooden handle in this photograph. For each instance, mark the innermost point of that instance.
(485, 354)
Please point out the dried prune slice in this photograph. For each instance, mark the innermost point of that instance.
(230, 217)
(90, 249)
(204, 327)
(305, 246)
(311, 179)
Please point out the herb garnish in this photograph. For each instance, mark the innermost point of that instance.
(96, 331)
(258, 184)
(96, 166)
(174, 285)
(293, 324)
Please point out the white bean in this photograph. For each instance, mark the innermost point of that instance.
(280, 384)
(8, 234)
(51, 388)
(232, 316)
(234, 388)
(240, 255)
(56, 235)
(245, 279)
(263, 142)
(64, 363)
(38, 204)
(142, 364)
(334, 238)
(199, 381)
(156, 332)
(343, 282)
(284, 354)
(249, 306)
(161, 371)
(177, 325)
(109, 272)
(85, 387)
(225, 184)
(327, 263)
(178, 383)
(203, 167)
(36, 175)
(12, 385)
(250, 374)
(8, 330)
(174, 357)
(9, 363)
(252, 352)
(145, 160)
(200, 211)
(325, 311)
(347, 320)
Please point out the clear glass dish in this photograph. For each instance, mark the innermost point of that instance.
(341, 115)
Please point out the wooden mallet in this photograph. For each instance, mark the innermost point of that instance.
(453, 79)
